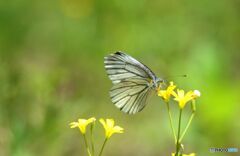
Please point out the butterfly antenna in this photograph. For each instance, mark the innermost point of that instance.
(167, 78)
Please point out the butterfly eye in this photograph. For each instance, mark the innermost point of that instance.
(160, 81)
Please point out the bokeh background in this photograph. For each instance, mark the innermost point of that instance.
(52, 73)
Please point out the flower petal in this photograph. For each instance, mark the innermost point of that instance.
(103, 123)
(73, 124)
(118, 129)
(110, 123)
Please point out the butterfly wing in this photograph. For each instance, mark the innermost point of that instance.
(120, 66)
(130, 96)
(131, 81)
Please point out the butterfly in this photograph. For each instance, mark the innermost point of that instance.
(132, 82)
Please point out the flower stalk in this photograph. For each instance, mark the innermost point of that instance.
(178, 144)
(104, 143)
(91, 137)
(171, 122)
(189, 121)
(86, 145)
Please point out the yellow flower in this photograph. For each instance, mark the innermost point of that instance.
(166, 94)
(82, 124)
(183, 98)
(109, 127)
(192, 154)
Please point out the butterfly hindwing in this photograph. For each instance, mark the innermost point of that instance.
(129, 97)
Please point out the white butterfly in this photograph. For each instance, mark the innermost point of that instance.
(132, 82)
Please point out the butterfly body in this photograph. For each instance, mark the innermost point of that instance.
(132, 82)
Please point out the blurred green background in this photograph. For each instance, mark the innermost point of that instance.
(52, 73)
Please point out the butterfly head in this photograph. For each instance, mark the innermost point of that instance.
(160, 81)
(157, 83)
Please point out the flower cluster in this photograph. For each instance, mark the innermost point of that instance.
(108, 125)
(179, 96)
(182, 98)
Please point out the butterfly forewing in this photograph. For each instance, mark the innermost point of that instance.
(124, 66)
(131, 81)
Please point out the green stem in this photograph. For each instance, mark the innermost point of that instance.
(178, 136)
(193, 107)
(104, 143)
(186, 128)
(171, 123)
(92, 141)
(86, 144)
